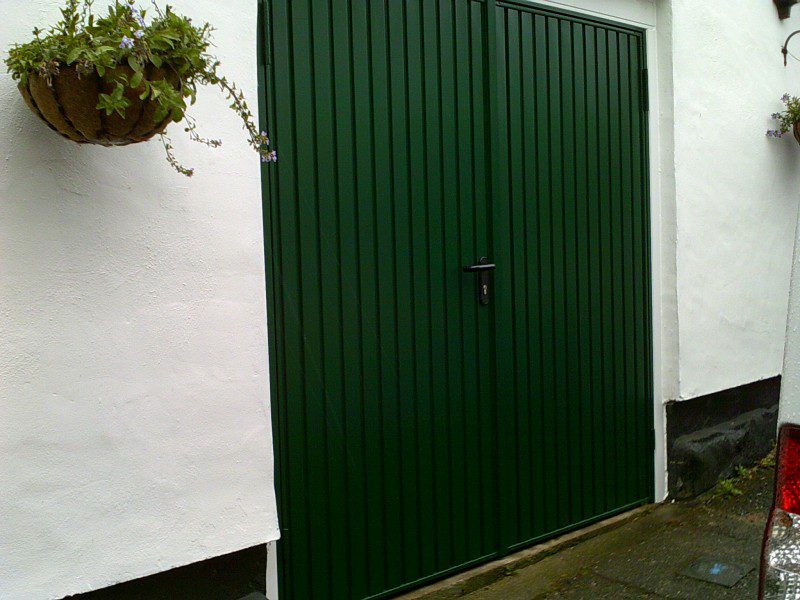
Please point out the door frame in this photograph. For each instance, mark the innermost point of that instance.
(641, 15)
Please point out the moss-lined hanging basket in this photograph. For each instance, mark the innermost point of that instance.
(68, 104)
(121, 78)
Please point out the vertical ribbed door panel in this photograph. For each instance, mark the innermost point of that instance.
(382, 355)
(572, 227)
(418, 432)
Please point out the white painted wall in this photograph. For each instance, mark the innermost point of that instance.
(133, 382)
(790, 389)
(134, 406)
(736, 191)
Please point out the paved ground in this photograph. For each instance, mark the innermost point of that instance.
(644, 557)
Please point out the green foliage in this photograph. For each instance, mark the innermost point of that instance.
(122, 37)
(727, 488)
(115, 101)
(787, 117)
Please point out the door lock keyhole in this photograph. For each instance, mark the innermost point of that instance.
(484, 272)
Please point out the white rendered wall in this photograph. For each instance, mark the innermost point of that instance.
(737, 192)
(134, 403)
(790, 388)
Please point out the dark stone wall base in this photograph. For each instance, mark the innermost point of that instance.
(708, 437)
(229, 577)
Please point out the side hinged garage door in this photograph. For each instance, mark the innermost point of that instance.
(428, 419)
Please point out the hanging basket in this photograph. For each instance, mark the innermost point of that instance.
(69, 106)
(796, 131)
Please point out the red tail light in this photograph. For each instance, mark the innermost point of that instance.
(787, 482)
(780, 559)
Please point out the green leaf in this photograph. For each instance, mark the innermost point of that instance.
(101, 70)
(161, 113)
(156, 60)
(134, 64)
(177, 114)
(136, 80)
(106, 104)
(74, 54)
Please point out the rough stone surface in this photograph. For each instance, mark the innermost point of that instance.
(698, 460)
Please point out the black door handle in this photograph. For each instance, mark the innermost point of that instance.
(483, 269)
(480, 267)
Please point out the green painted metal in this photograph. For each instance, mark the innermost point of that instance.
(571, 236)
(418, 433)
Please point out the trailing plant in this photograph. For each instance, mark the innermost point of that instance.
(787, 118)
(126, 37)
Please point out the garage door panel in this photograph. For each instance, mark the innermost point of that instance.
(571, 129)
(419, 432)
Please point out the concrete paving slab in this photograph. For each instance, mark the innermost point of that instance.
(591, 587)
(583, 587)
(655, 562)
(644, 557)
(463, 584)
(717, 571)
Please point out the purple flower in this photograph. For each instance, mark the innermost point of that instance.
(271, 157)
(776, 116)
(127, 42)
(139, 34)
(136, 14)
(785, 98)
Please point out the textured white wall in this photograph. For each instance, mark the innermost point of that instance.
(737, 192)
(134, 416)
(790, 388)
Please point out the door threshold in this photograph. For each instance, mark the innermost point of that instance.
(470, 581)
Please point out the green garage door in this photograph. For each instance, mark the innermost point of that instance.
(425, 423)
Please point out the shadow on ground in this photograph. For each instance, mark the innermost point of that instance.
(645, 557)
